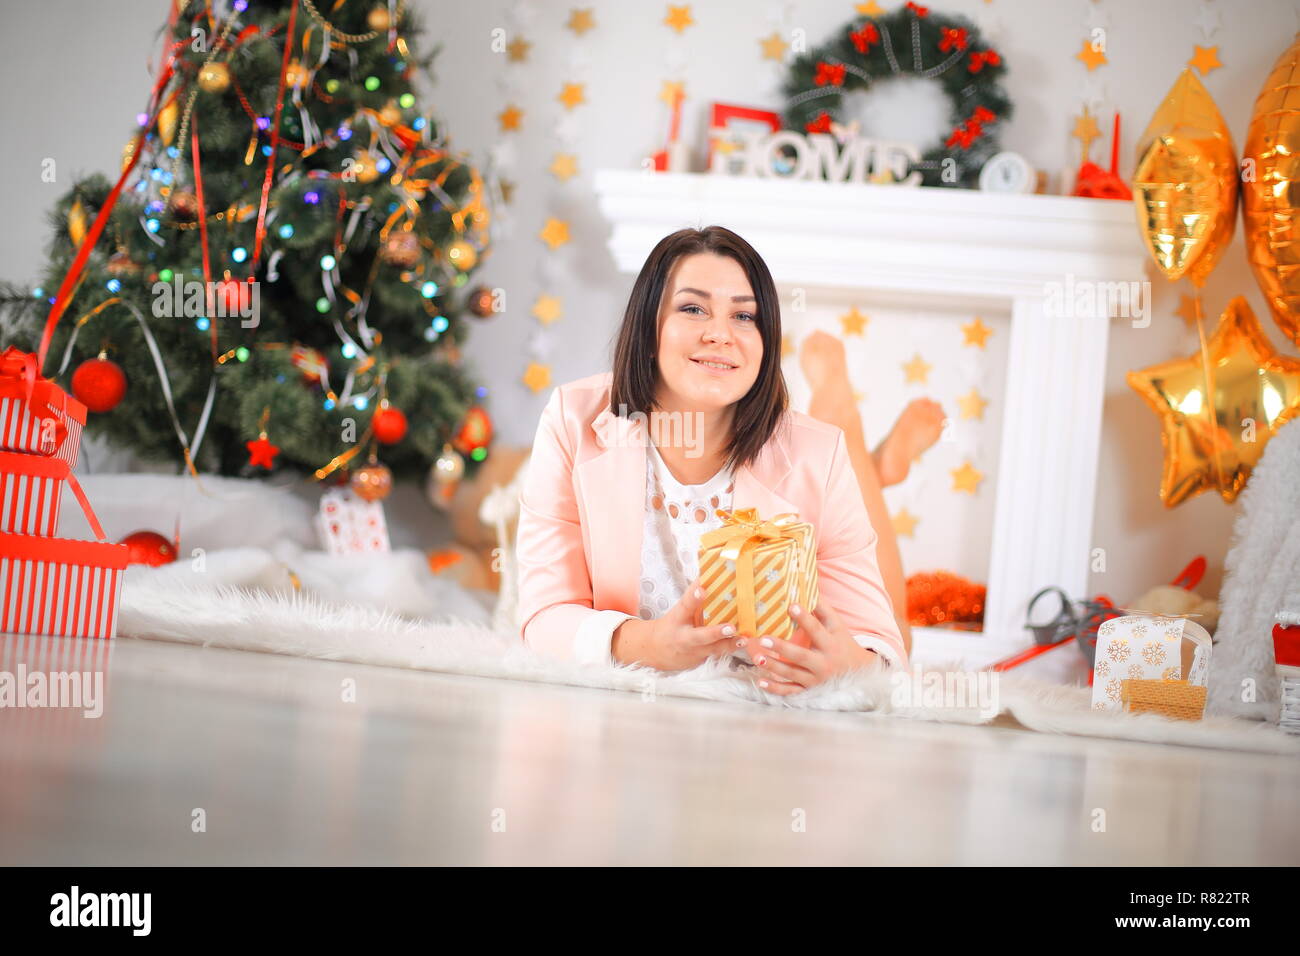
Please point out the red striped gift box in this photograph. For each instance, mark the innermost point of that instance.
(36, 416)
(30, 490)
(60, 587)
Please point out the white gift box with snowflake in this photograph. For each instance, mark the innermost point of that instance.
(1147, 647)
(348, 524)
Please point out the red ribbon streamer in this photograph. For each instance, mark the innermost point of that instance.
(275, 141)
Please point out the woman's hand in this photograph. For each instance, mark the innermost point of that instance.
(673, 642)
(820, 648)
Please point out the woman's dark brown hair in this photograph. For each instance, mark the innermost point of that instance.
(636, 353)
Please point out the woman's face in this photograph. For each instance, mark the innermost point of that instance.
(710, 348)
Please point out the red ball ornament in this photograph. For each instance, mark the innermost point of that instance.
(99, 384)
(475, 431)
(389, 424)
(149, 547)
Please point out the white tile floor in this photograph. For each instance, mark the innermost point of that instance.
(428, 768)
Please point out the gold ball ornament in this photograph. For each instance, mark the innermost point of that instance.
(184, 204)
(295, 75)
(1269, 198)
(481, 301)
(364, 169)
(462, 255)
(77, 224)
(168, 117)
(214, 77)
(128, 153)
(372, 482)
(1185, 183)
(450, 466)
(390, 115)
(401, 250)
(378, 18)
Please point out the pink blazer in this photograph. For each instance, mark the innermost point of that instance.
(582, 511)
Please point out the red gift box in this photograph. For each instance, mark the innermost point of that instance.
(36, 416)
(58, 586)
(30, 491)
(1286, 649)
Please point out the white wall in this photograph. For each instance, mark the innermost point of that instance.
(75, 76)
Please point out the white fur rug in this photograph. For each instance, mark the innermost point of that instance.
(172, 604)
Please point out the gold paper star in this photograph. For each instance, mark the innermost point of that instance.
(548, 308)
(555, 233)
(1214, 433)
(773, 47)
(517, 50)
(904, 523)
(510, 117)
(1205, 59)
(869, 9)
(571, 95)
(917, 369)
(976, 333)
(853, 322)
(537, 376)
(972, 405)
(679, 18)
(966, 478)
(670, 90)
(564, 166)
(580, 21)
(1085, 130)
(1090, 56)
(1187, 309)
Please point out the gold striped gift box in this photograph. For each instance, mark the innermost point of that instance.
(752, 570)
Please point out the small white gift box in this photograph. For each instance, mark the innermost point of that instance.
(1147, 647)
(348, 524)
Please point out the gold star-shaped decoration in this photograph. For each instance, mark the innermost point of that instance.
(509, 118)
(917, 370)
(679, 18)
(580, 21)
(1205, 59)
(773, 47)
(976, 333)
(972, 406)
(1085, 130)
(537, 376)
(787, 346)
(555, 233)
(1090, 56)
(882, 176)
(548, 308)
(671, 90)
(966, 478)
(572, 95)
(1187, 309)
(904, 523)
(507, 190)
(869, 9)
(564, 166)
(517, 50)
(1214, 432)
(853, 322)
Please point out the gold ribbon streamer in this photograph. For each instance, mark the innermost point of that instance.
(740, 535)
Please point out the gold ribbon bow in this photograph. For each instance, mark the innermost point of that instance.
(741, 533)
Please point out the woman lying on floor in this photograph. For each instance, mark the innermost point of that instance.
(630, 467)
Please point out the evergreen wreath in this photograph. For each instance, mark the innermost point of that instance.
(946, 48)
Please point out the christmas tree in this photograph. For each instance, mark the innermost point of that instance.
(280, 277)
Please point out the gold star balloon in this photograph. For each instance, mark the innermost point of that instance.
(1219, 407)
(1270, 192)
(1185, 183)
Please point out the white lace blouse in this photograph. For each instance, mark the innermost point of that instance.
(676, 515)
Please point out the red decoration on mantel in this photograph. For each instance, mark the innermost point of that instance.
(953, 37)
(919, 10)
(822, 124)
(1093, 182)
(862, 39)
(832, 73)
(982, 58)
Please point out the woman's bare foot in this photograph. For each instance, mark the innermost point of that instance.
(917, 428)
(822, 359)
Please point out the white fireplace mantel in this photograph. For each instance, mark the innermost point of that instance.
(938, 247)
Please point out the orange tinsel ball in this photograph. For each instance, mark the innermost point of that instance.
(941, 597)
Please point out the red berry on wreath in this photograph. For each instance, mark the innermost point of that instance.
(389, 424)
(148, 547)
(99, 384)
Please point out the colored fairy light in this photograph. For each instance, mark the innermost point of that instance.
(349, 350)
(407, 100)
(361, 402)
(430, 333)
(481, 391)
(172, 152)
(460, 279)
(154, 206)
(329, 404)
(372, 83)
(311, 197)
(418, 123)
(239, 253)
(322, 304)
(479, 453)
(345, 132)
(327, 263)
(331, 86)
(241, 5)
(165, 275)
(286, 231)
(202, 323)
(155, 173)
(241, 353)
(429, 290)
(38, 293)
(440, 323)
(153, 225)
(142, 119)
(113, 285)
(166, 178)
(266, 150)
(392, 207)
(383, 165)
(263, 122)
